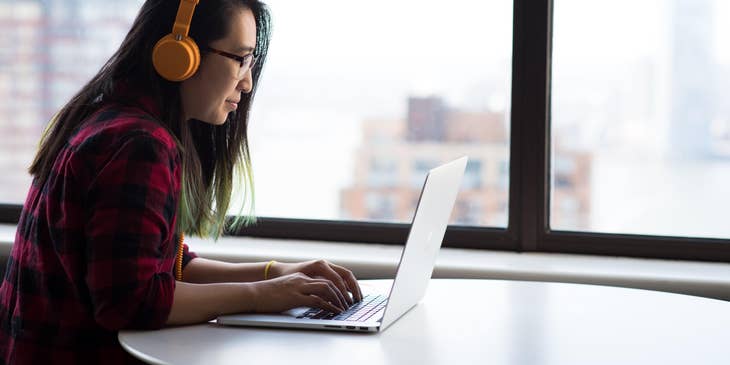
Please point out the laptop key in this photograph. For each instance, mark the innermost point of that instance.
(371, 314)
(364, 315)
(321, 315)
(364, 309)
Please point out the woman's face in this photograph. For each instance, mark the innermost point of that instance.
(214, 90)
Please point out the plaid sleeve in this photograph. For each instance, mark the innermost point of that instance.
(132, 202)
(187, 255)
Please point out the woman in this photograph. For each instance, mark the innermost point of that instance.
(128, 165)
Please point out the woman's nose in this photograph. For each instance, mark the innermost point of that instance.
(246, 84)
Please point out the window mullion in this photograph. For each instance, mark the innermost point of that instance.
(530, 123)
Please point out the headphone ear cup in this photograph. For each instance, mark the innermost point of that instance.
(176, 60)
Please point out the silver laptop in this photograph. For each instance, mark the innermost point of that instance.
(376, 312)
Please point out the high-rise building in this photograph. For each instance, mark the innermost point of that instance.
(21, 93)
(48, 51)
(426, 119)
(692, 79)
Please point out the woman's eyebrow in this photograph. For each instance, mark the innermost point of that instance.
(245, 49)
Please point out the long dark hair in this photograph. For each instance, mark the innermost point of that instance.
(212, 156)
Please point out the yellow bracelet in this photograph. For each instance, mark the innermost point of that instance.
(266, 270)
(179, 258)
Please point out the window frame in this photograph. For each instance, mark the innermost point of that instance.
(528, 228)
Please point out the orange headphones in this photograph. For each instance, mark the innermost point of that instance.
(176, 56)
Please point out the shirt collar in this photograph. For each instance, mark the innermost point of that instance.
(129, 94)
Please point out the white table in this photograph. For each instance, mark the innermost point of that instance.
(478, 322)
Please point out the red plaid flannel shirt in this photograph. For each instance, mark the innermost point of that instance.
(95, 246)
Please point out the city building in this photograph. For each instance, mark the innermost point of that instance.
(48, 51)
(21, 92)
(693, 73)
(393, 160)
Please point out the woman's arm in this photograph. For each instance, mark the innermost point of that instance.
(204, 271)
(197, 303)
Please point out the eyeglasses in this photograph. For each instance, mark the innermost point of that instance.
(246, 62)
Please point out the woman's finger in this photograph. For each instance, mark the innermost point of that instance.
(333, 276)
(331, 292)
(343, 296)
(317, 302)
(327, 291)
(350, 279)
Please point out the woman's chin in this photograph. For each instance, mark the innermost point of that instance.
(217, 120)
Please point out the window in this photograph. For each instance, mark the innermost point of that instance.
(639, 125)
(380, 206)
(420, 169)
(472, 175)
(385, 96)
(591, 128)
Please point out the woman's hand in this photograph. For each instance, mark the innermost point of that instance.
(297, 290)
(342, 278)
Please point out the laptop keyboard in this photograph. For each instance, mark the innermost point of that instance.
(359, 312)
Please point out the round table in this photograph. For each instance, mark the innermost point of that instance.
(464, 321)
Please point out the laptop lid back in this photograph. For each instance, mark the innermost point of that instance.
(424, 239)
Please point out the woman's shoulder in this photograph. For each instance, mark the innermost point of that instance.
(115, 124)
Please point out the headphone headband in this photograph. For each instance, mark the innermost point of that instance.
(184, 17)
